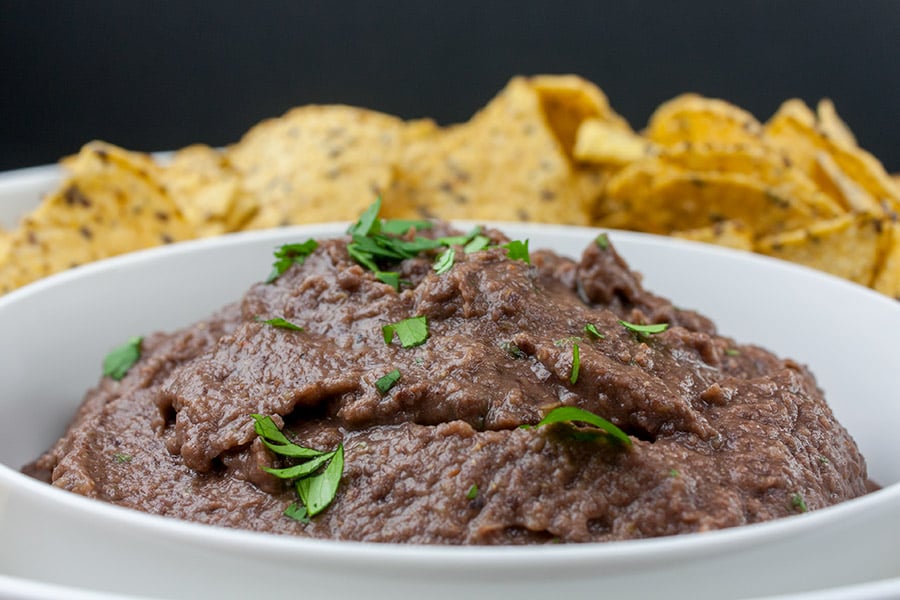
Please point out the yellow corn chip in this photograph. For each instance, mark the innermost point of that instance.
(599, 141)
(506, 163)
(832, 126)
(693, 118)
(847, 246)
(111, 203)
(317, 163)
(731, 234)
(656, 197)
(887, 274)
(206, 191)
(795, 130)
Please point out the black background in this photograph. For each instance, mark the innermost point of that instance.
(160, 75)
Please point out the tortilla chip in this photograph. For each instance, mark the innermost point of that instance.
(731, 234)
(316, 164)
(887, 273)
(795, 130)
(111, 203)
(693, 118)
(852, 196)
(206, 190)
(832, 126)
(600, 142)
(847, 246)
(567, 101)
(505, 164)
(657, 197)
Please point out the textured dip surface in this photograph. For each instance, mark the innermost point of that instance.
(723, 433)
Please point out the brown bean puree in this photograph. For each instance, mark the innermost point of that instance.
(723, 434)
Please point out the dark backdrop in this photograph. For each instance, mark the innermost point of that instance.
(160, 75)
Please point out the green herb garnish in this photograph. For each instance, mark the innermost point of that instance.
(387, 382)
(517, 250)
(472, 493)
(119, 361)
(297, 512)
(280, 322)
(479, 242)
(290, 254)
(315, 486)
(569, 415)
(444, 262)
(412, 331)
(402, 226)
(644, 330)
(389, 277)
(798, 503)
(461, 240)
(592, 331)
(732, 352)
(602, 241)
(122, 458)
(576, 363)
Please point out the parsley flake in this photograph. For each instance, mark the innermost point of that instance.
(592, 331)
(798, 503)
(644, 330)
(576, 363)
(479, 242)
(512, 350)
(412, 332)
(386, 382)
(732, 352)
(472, 493)
(315, 486)
(602, 241)
(518, 250)
(119, 361)
(279, 322)
(402, 226)
(122, 458)
(569, 415)
(290, 254)
(444, 262)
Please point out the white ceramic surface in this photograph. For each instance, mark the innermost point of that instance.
(55, 333)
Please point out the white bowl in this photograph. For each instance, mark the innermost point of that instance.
(56, 331)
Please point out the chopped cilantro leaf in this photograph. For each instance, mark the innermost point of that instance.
(472, 493)
(412, 331)
(592, 331)
(273, 439)
(368, 222)
(290, 254)
(389, 277)
(386, 382)
(518, 250)
(317, 492)
(479, 242)
(402, 226)
(444, 262)
(602, 241)
(119, 361)
(297, 512)
(280, 323)
(644, 330)
(576, 363)
(572, 414)
(798, 503)
(122, 458)
(732, 352)
(460, 240)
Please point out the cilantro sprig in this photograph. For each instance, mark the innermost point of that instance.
(571, 415)
(644, 330)
(119, 361)
(316, 486)
(386, 382)
(290, 254)
(279, 322)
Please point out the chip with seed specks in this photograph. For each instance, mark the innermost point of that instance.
(731, 234)
(110, 203)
